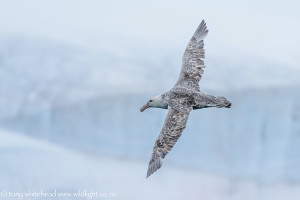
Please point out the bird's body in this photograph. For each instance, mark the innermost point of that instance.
(182, 99)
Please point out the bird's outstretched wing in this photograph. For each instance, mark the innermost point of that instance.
(192, 60)
(174, 125)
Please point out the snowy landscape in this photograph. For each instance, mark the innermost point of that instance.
(36, 165)
(73, 76)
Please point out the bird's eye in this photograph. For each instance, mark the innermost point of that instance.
(150, 100)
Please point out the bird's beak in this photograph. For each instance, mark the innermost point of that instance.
(144, 107)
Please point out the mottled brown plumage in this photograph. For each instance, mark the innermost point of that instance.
(182, 99)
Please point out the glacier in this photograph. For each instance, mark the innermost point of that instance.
(258, 138)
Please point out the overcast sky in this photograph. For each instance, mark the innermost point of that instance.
(269, 28)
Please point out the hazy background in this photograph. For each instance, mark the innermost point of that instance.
(73, 75)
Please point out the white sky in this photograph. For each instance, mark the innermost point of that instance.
(269, 29)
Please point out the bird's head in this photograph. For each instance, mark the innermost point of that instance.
(156, 101)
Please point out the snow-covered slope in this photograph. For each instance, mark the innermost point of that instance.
(37, 74)
(35, 165)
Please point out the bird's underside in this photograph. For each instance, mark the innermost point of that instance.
(182, 99)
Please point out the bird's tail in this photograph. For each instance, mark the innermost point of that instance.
(223, 102)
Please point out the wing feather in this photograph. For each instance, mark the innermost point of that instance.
(192, 61)
(174, 125)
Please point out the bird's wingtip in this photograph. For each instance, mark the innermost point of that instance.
(201, 31)
(154, 166)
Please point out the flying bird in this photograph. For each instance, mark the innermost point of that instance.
(184, 97)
